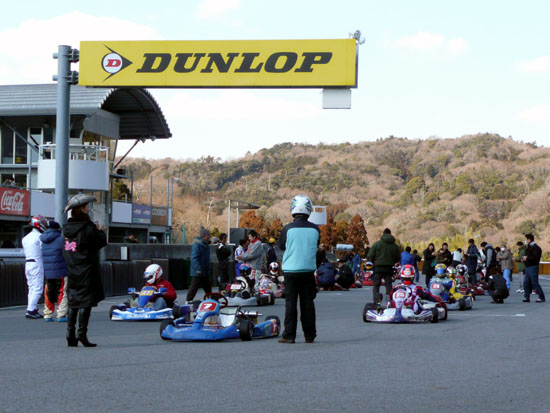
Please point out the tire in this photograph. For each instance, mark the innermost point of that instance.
(277, 320)
(113, 307)
(462, 304)
(176, 311)
(368, 306)
(435, 315)
(163, 325)
(246, 330)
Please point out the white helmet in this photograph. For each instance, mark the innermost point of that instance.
(152, 273)
(274, 268)
(301, 204)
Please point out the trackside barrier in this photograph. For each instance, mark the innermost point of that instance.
(13, 284)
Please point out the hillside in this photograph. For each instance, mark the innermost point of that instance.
(435, 189)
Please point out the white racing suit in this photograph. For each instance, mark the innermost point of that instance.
(34, 268)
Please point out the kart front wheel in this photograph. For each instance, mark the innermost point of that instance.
(246, 330)
(435, 315)
(368, 306)
(163, 325)
(113, 308)
(176, 312)
(462, 304)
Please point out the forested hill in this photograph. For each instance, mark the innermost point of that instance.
(423, 190)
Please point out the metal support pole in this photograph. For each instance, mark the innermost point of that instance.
(62, 132)
(168, 193)
(229, 223)
(151, 195)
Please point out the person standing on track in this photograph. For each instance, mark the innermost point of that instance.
(384, 254)
(531, 259)
(34, 267)
(200, 265)
(299, 241)
(83, 240)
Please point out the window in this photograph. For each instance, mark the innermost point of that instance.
(21, 146)
(36, 134)
(6, 144)
(20, 181)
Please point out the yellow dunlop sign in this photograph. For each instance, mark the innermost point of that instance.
(227, 63)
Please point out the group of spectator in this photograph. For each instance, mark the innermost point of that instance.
(69, 260)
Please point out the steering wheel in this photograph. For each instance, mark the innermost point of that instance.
(217, 296)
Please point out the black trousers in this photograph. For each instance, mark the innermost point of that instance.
(386, 274)
(498, 297)
(54, 284)
(196, 283)
(300, 285)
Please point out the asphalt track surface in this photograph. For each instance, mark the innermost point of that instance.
(493, 358)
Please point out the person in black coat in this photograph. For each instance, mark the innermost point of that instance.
(83, 240)
(428, 268)
(223, 253)
(497, 288)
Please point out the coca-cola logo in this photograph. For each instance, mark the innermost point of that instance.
(14, 202)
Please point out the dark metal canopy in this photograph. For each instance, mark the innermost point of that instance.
(140, 115)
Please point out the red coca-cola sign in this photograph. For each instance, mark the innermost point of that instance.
(14, 202)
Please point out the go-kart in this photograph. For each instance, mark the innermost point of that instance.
(403, 308)
(240, 294)
(213, 321)
(144, 311)
(366, 278)
(275, 284)
(446, 289)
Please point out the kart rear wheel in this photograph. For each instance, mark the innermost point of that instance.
(176, 311)
(246, 330)
(277, 320)
(435, 315)
(462, 304)
(163, 325)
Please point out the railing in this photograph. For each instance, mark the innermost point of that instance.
(77, 152)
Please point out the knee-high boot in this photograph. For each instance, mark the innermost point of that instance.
(83, 318)
(72, 341)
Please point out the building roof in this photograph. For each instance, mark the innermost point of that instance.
(140, 115)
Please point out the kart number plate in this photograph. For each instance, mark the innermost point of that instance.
(436, 286)
(207, 307)
(147, 292)
(400, 294)
(236, 286)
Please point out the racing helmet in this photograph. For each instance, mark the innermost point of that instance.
(408, 272)
(461, 269)
(271, 240)
(440, 269)
(368, 266)
(301, 204)
(451, 271)
(152, 274)
(245, 270)
(39, 222)
(274, 268)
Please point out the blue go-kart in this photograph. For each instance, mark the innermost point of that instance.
(145, 310)
(212, 320)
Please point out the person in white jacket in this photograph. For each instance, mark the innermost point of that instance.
(34, 267)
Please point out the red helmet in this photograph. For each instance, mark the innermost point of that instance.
(39, 222)
(274, 268)
(407, 272)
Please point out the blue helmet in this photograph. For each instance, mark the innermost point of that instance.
(440, 269)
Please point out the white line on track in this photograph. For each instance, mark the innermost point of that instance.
(489, 315)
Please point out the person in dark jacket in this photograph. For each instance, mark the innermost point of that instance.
(521, 265)
(55, 271)
(344, 276)
(407, 257)
(200, 265)
(497, 288)
(417, 259)
(472, 255)
(299, 240)
(428, 267)
(83, 240)
(223, 253)
(321, 255)
(384, 254)
(490, 258)
(325, 276)
(531, 259)
(444, 256)
(271, 255)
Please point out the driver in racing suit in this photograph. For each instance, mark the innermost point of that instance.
(153, 277)
(417, 292)
(442, 278)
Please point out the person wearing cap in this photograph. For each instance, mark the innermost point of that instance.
(299, 240)
(34, 267)
(83, 240)
(200, 265)
(223, 253)
(55, 271)
(271, 255)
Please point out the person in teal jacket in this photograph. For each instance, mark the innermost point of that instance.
(200, 265)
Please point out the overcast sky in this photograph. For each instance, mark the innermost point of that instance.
(427, 68)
